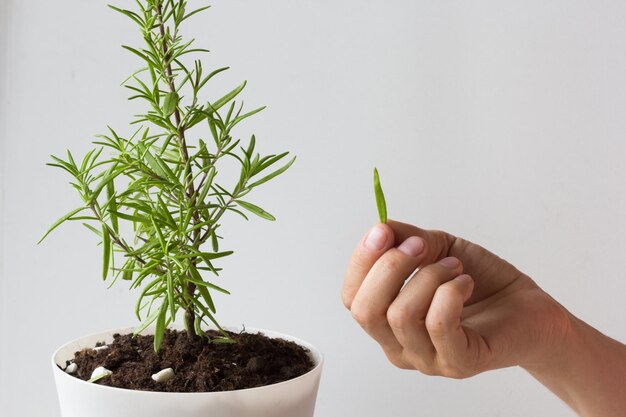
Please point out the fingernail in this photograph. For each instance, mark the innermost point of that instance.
(412, 246)
(450, 262)
(465, 279)
(376, 238)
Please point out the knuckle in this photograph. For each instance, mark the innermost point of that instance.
(449, 293)
(346, 298)
(455, 366)
(428, 370)
(389, 264)
(358, 314)
(399, 316)
(455, 372)
(435, 326)
(446, 238)
(433, 275)
(398, 361)
(360, 259)
(365, 316)
(452, 372)
(422, 363)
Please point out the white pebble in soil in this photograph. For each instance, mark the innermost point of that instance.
(71, 368)
(163, 375)
(99, 372)
(103, 347)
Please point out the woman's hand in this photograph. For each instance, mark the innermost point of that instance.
(467, 311)
(464, 312)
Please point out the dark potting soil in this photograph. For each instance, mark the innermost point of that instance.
(199, 366)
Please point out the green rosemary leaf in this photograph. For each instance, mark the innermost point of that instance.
(160, 167)
(273, 174)
(207, 185)
(199, 226)
(132, 15)
(380, 198)
(207, 298)
(188, 15)
(160, 325)
(159, 235)
(127, 274)
(84, 218)
(197, 325)
(250, 149)
(216, 105)
(188, 51)
(63, 167)
(205, 256)
(107, 177)
(210, 285)
(238, 119)
(207, 313)
(214, 243)
(140, 55)
(133, 218)
(231, 109)
(93, 229)
(70, 159)
(169, 103)
(170, 295)
(270, 160)
(213, 128)
(239, 212)
(211, 75)
(63, 219)
(167, 216)
(98, 378)
(224, 340)
(106, 250)
(255, 210)
(143, 294)
(85, 163)
(112, 205)
(147, 322)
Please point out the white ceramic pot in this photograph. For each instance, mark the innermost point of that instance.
(78, 398)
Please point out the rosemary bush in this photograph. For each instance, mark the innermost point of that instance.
(163, 182)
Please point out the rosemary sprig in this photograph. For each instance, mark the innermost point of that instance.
(381, 205)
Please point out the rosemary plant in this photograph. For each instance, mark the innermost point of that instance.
(164, 183)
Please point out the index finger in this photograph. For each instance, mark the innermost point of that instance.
(438, 243)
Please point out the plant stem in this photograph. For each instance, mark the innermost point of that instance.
(190, 289)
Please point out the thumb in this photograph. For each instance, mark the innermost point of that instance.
(371, 247)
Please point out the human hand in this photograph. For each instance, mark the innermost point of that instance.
(464, 312)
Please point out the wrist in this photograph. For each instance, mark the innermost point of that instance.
(556, 358)
(556, 334)
(586, 370)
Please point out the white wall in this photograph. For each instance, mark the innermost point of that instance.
(4, 308)
(500, 121)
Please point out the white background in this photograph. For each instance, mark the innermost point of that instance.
(500, 121)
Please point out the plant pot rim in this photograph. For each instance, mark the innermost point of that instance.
(314, 353)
